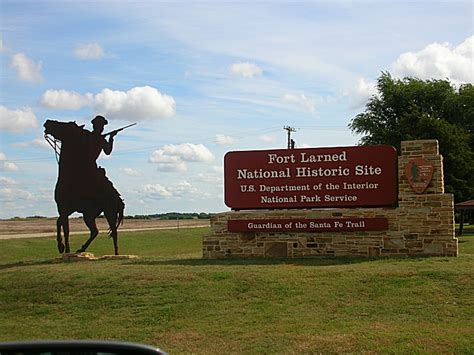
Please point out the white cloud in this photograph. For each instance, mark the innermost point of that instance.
(138, 103)
(156, 192)
(215, 175)
(7, 181)
(179, 190)
(167, 163)
(62, 99)
(189, 152)
(17, 121)
(435, 61)
(361, 93)
(35, 143)
(439, 61)
(301, 102)
(91, 50)
(267, 138)
(9, 166)
(130, 171)
(247, 70)
(40, 143)
(2, 45)
(26, 68)
(173, 157)
(12, 194)
(222, 139)
(186, 190)
(182, 189)
(6, 165)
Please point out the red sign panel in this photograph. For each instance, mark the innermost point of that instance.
(312, 177)
(308, 225)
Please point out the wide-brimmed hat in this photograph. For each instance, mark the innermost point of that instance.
(99, 120)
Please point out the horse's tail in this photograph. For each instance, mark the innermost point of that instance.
(121, 208)
(118, 209)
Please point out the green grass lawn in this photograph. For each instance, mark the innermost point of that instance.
(173, 299)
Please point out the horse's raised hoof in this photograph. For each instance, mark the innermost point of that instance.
(61, 248)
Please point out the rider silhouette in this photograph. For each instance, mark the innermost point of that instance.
(96, 144)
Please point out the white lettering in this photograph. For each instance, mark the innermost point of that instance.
(363, 186)
(268, 225)
(314, 198)
(308, 172)
(340, 198)
(280, 188)
(263, 174)
(285, 159)
(277, 199)
(322, 157)
(315, 225)
(350, 224)
(367, 170)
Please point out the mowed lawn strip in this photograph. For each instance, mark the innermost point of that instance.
(173, 299)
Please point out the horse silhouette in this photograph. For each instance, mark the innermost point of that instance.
(82, 186)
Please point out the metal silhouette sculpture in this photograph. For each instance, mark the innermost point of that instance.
(82, 186)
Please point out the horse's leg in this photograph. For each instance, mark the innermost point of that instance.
(59, 239)
(89, 219)
(66, 233)
(111, 217)
(114, 236)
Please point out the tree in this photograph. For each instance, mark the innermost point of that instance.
(410, 108)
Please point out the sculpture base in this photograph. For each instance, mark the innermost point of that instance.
(91, 257)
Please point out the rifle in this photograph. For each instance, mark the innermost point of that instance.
(118, 130)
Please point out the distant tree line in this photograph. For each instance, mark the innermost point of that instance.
(164, 216)
(172, 216)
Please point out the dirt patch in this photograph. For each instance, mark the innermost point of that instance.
(48, 225)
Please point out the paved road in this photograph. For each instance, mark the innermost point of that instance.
(53, 235)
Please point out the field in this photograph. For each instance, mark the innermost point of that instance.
(173, 299)
(48, 225)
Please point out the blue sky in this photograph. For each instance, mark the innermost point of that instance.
(201, 79)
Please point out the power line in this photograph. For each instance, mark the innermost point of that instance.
(330, 128)
(240, 134)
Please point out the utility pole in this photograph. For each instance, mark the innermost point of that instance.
(291, 142)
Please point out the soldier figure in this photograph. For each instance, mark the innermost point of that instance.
(96, 144)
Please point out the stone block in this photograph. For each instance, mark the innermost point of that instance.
(433, 249)
(276, 250)
(393, 243)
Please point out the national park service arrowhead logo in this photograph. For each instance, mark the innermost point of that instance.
(419, 173)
